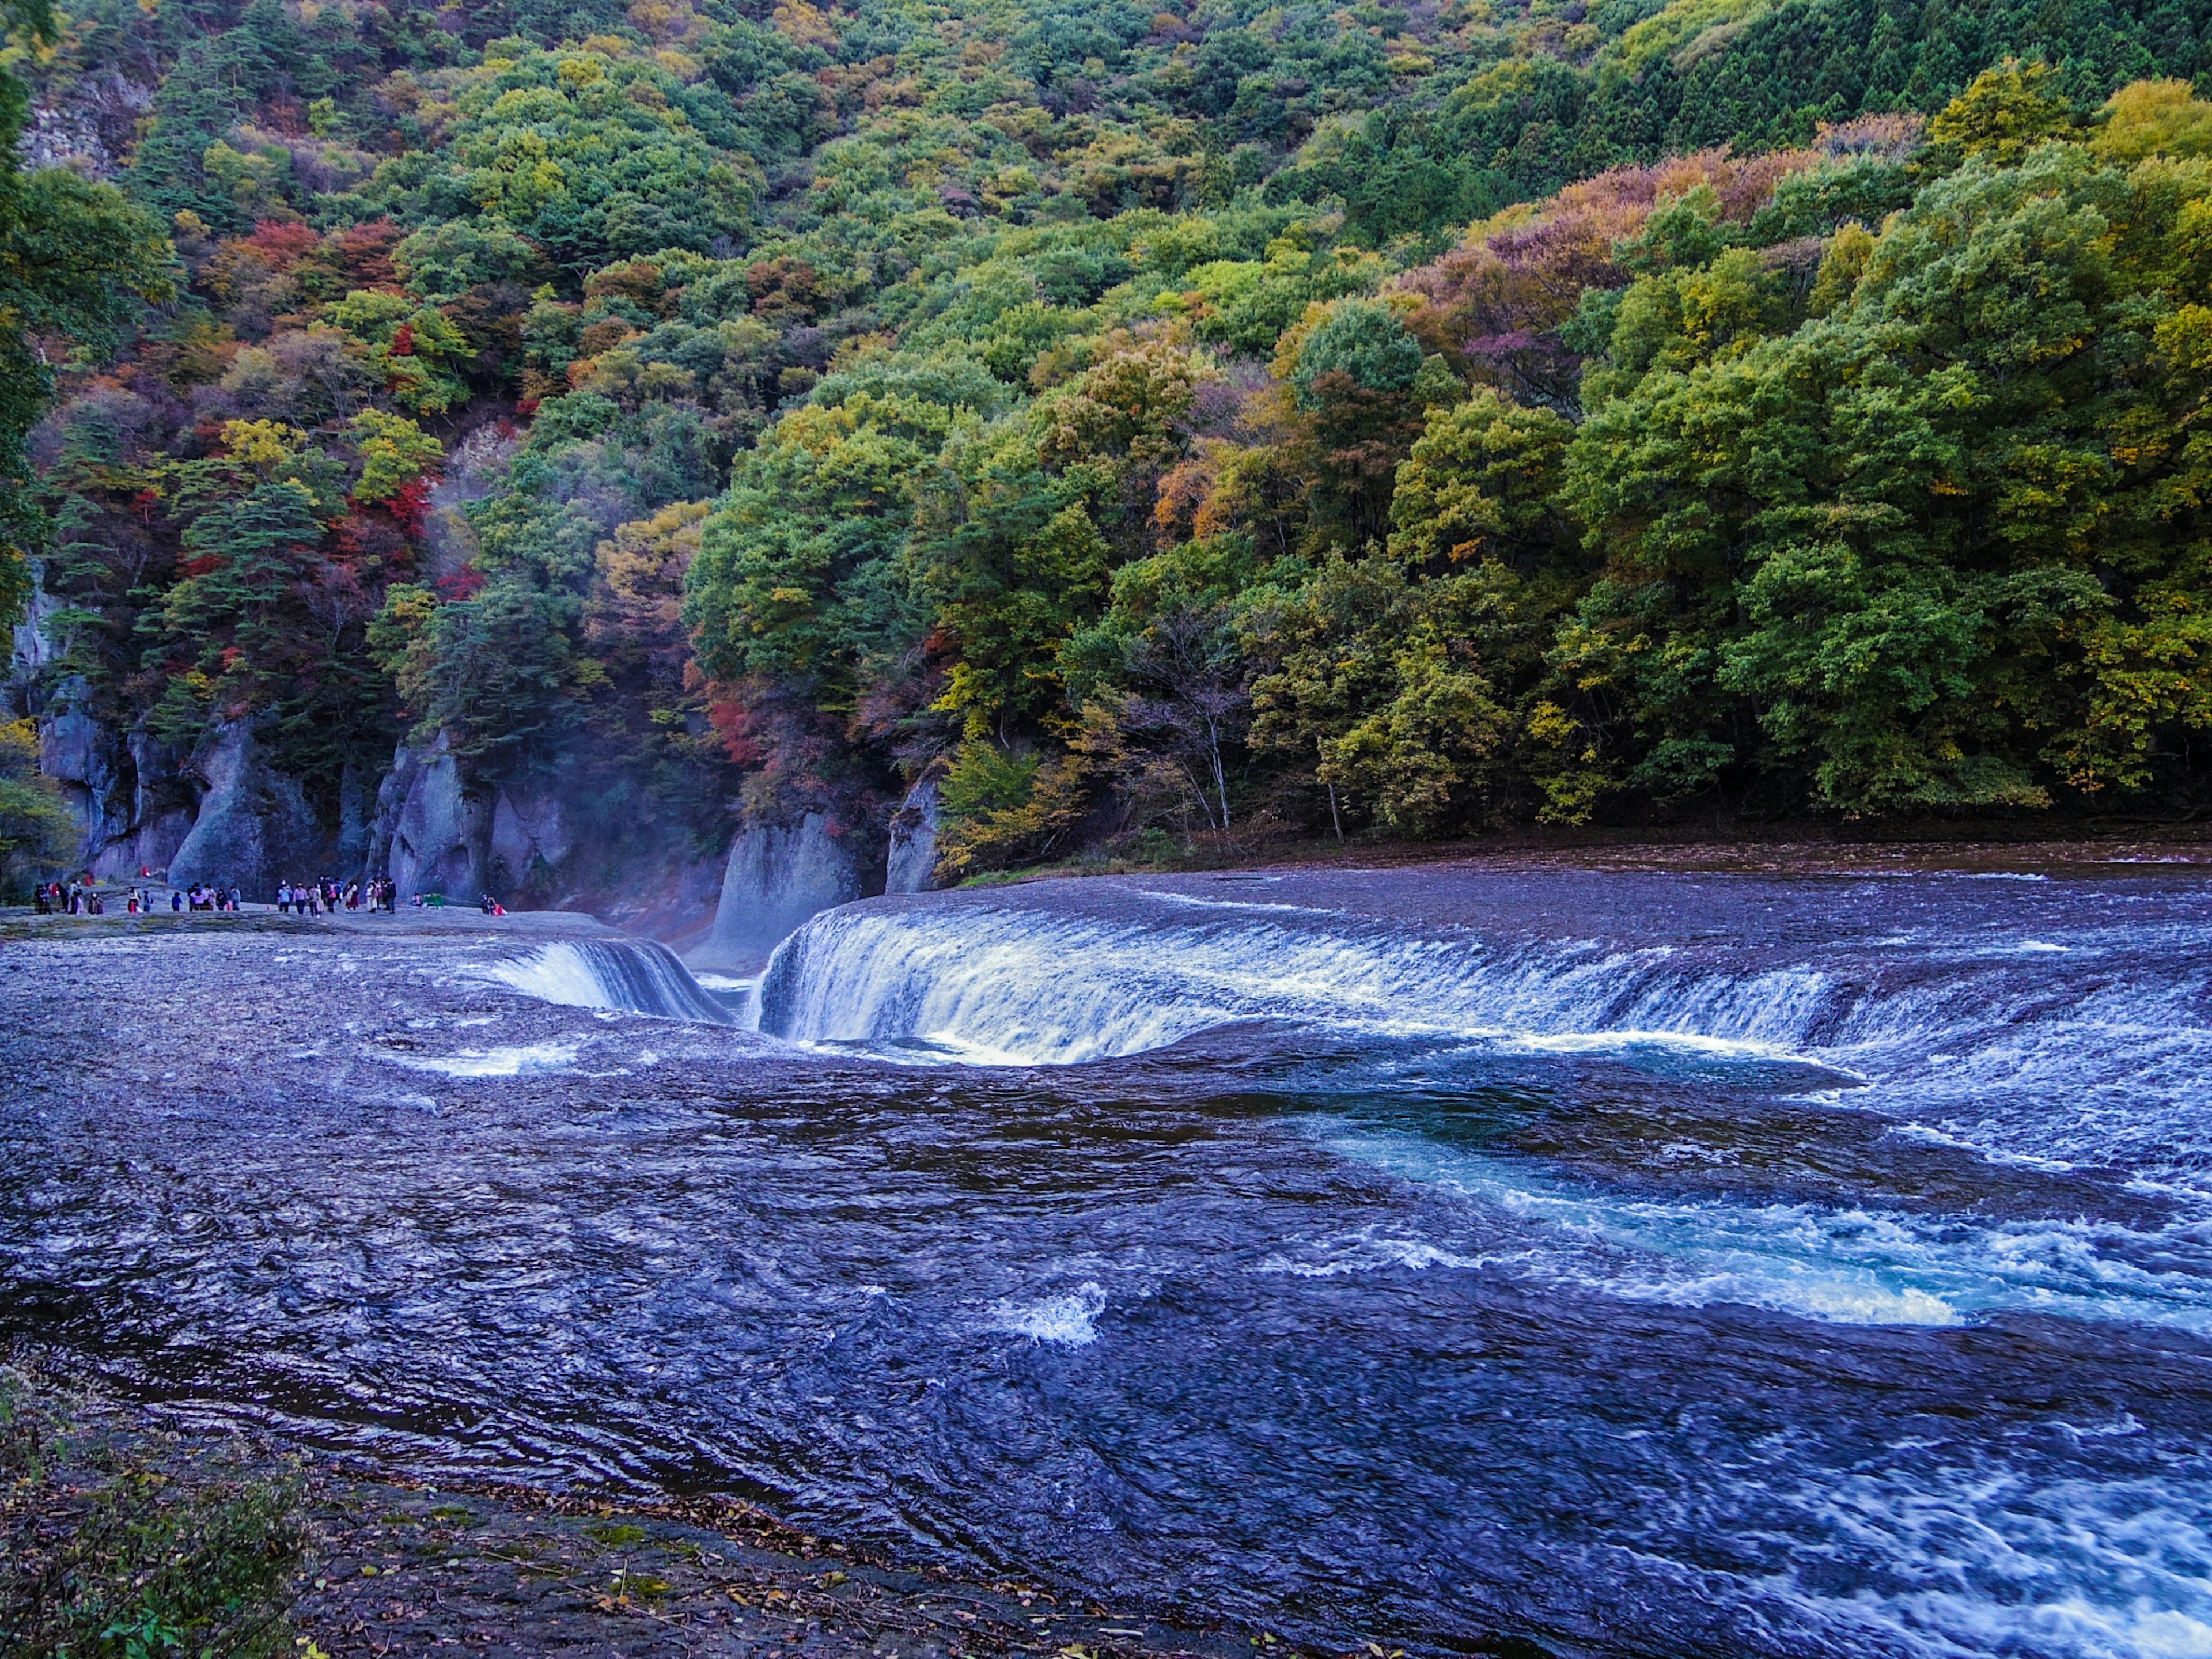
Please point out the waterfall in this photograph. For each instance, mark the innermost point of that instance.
(636, 975)
(1946, 1028)
(1017, 985)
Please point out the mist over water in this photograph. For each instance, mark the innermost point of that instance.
(1622, 1263)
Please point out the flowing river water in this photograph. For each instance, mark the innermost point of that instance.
(1471, 1258)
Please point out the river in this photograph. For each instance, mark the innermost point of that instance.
(1470, 1258)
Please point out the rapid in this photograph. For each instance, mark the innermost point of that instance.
(1474, 1258)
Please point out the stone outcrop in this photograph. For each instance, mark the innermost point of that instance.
(162, 811)
(530, 840)
(133, 800)
(433, 831)
(778, 875)
(91, 126)
(92, 767)
(254, 827)
(912, 868)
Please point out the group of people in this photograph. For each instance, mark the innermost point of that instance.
(326, 897)
(84, 898)
(74, 898)
(305, 898)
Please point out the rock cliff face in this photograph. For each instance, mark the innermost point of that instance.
(434, 831)
(254, 827)
(132, 795)
(912, 865)
(92, 767)
(92, 129)
(778, 876)
(224, 813)
(530, 839)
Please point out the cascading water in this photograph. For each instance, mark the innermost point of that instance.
(1968, 1034)
(1927, 1017)
(1609, 1263)
(1013, 987)
(638, 977)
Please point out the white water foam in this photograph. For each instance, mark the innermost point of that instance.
(1068, 1320)
(1860, 1266)
(557, 973)
(519, 1061)
(1015, 988)
(2003, 1561)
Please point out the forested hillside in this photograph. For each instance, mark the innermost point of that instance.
(1145, 420)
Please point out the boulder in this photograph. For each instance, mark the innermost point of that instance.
(254, 827)
(912, 865)
(778, 875)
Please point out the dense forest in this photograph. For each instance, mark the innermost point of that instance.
(1146, 421)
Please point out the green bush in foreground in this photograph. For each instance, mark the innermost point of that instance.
(103, 1555)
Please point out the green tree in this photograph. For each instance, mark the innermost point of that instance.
(74, 258)
(35, 822)
(2006, 112)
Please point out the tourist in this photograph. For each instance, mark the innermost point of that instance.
(176, 901)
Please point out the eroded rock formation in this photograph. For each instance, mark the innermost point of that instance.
(254, 827)
(778, 876)
(912, 868)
